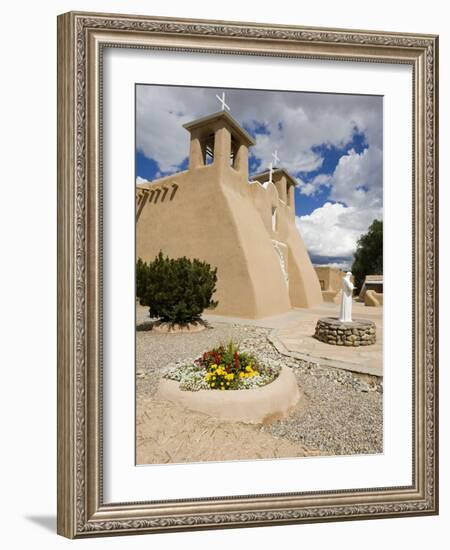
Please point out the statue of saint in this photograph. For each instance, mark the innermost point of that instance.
(346, 299)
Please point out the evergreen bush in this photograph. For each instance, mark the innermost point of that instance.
(141, 279)
(176, 290)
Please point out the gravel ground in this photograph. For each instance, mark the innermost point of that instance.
(155, 351)
(344, 412)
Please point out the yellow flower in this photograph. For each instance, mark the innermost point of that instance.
(241, 374)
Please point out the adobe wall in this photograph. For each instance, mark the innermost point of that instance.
(373, 299)
(211, 212)
(304, 288)
(304, 285)
(331, 276)
(212, 222)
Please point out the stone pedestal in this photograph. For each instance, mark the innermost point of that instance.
(337, 333)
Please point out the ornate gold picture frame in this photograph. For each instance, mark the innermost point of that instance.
(82, 509)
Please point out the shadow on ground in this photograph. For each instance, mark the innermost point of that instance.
(46, 522)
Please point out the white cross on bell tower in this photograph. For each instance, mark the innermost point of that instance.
(222, 101)
(276, 158)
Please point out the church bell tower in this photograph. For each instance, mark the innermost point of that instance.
(218, 141)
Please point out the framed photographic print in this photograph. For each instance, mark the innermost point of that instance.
(247, 282)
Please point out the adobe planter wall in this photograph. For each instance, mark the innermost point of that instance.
(357, 333)
(256, 406)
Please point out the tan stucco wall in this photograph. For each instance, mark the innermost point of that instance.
(333, 296)
(373, 299)
(331, 276)
(214, 214)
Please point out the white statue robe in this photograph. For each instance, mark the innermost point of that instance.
(346, 301)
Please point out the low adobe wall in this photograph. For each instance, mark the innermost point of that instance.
(333, 296)
(373, 299)
(256, 406)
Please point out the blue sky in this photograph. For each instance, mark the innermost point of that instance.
(306, 204)
(331, 143)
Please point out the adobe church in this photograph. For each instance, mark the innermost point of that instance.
(246, 229)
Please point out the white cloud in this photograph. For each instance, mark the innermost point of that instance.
(358, 177)
(311, 188)
(307, 189)
(293, 159)
(356, 186)
(295, 125)
(140, 180)
(292, 123)
(333, 229)
(325, 232)
(160, 116)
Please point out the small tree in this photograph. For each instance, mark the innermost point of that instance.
(176, 290)
(141, 279)
(369, 254)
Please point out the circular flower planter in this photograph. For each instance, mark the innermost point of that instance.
(253, 406)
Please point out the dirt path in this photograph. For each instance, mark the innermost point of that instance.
(168, 433)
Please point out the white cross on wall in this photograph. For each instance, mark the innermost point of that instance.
(222, 100)
(276, 158)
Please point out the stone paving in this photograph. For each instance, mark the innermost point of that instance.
(292, 335)
(297, 341)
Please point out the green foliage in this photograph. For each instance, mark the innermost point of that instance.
(142, 271)
(224, 368)
(176, 290)
(369, 254)
(228, 368)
